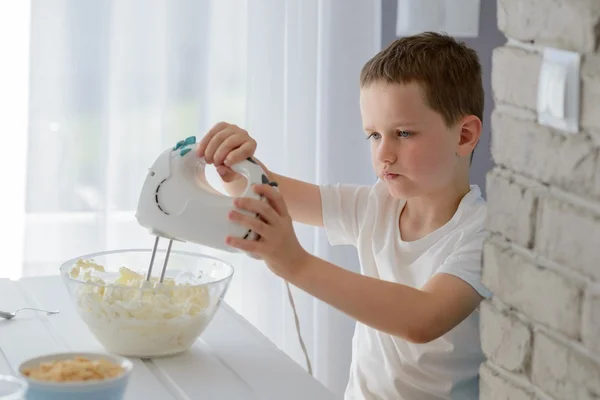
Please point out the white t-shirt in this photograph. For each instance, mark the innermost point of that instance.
(385, 366)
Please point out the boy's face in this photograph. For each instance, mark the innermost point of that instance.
(412, 149)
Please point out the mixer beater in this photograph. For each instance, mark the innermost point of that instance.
(166, 261)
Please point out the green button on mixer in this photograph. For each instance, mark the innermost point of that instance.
(184, 151)
(190, 140)
(179, 145)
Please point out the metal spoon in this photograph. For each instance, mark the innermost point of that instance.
(8, 315)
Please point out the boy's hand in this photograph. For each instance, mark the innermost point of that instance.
(278, 245)
(225, 145)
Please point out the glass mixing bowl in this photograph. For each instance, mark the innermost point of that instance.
(131, 317)
(12, 388)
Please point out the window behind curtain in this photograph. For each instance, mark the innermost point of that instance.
(112, 84)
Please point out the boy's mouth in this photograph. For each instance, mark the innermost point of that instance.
(390, 176)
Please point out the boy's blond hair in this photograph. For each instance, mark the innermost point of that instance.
(448, 71)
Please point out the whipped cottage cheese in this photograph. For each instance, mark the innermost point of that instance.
(132, 317)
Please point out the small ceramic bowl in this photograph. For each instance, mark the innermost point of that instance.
(107, 389)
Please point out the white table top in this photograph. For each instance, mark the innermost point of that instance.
(231, 360)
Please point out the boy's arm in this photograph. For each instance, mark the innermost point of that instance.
(416, 315)
(303, 200)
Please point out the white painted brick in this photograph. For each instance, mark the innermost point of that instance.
(505, 340)
(543, 295)
(521, 89)
(568, 161)
(512, 209)
(590, 320)
(558, 226)
(492, 386)
(562, 371)
(566, 24)
(569, 236)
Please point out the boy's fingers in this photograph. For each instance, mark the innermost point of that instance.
(275, 198)
(215, 143)
(241, 153)
(249, 246)
(232, 142)
(209, 135)
(227, 174)
(253, 223)
(264, 210)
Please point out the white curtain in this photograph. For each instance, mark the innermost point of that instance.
(112, 83)
(14, 83)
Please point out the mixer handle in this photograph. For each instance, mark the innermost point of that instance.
(248, 167)
(253, 173)
(255, 176)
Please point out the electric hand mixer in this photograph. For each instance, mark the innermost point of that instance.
(177, 203)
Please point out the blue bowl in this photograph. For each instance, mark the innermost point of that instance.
(107, 389)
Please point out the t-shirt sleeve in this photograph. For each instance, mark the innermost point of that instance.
(465, 262)
(344, 207)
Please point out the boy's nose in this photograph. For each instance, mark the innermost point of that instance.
(386, 152)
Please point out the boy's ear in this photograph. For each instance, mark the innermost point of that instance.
(470, 132)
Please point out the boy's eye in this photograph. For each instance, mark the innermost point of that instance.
(374, 135)
(404, 134)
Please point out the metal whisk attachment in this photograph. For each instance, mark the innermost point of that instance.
(164, 268)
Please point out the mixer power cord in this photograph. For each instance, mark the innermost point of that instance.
(297, 322)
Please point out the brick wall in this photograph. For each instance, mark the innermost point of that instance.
(541, 330)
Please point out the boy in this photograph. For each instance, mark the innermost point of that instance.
(419, 230)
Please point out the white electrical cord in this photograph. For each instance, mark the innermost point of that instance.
(297, 322)
(296, 319)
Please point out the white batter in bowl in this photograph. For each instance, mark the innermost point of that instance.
(137, 319)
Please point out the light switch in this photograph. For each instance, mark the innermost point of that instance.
(553, 85)
(558, 90)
